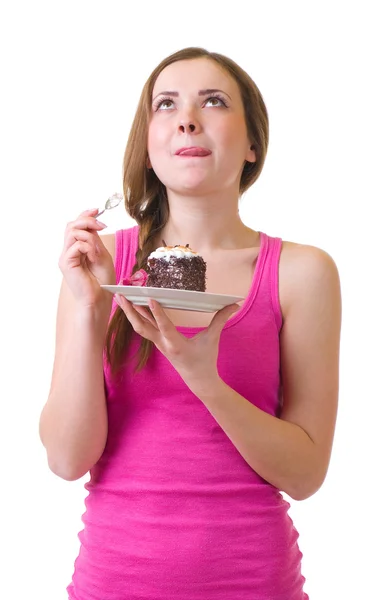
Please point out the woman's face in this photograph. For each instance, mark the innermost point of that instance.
(197, 105)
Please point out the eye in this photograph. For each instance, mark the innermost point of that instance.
(216, 100)
(167, 103)
(160, 103)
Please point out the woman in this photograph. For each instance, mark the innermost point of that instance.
(192, 425)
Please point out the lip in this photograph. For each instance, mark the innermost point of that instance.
(193, 151)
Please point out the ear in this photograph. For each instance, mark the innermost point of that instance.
(251, 154)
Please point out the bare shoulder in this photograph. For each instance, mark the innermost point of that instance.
(310, 299)
(305, 271)
(110, 244)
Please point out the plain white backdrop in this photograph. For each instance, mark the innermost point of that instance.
(72, 73)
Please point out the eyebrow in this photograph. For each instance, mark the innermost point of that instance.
(200, 93)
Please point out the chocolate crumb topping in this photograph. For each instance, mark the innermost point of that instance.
(188, 273)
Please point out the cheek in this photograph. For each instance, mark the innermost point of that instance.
(151, 141)
(156, 136)
(230, 133)
(157, 145)
(235, 132)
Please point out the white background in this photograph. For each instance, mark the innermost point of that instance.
(71, 76)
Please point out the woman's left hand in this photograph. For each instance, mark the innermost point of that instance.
(195, 359)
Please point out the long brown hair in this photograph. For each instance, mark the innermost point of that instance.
(145, 196)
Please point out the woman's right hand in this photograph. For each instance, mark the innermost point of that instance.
(85, 262)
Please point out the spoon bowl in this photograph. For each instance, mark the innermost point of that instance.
(112, 202)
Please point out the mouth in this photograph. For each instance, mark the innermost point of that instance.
(193, 151)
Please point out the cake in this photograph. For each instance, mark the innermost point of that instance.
(176, 267)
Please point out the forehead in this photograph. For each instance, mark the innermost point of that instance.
(192, 75)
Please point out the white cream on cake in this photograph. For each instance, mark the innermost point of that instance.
(167, 252)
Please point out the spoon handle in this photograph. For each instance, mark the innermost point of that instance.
(99, 213)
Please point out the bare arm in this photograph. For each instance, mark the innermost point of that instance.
(73, 424)
(293, 452)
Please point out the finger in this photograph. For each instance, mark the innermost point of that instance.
(164, 323)
(91, 212)
(85, 223)
(82, 235)
(221, 317)
(73, 255)
(140, 325)
(145, 314)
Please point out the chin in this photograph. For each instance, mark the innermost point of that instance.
(191, 183)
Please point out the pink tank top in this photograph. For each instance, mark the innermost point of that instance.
(174, 512)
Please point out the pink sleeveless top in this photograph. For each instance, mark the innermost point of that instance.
(174, 512)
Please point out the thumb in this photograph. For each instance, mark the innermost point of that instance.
(221, 317)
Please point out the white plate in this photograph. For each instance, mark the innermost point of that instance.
(169, 298)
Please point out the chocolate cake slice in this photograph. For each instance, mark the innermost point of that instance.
(176, 267)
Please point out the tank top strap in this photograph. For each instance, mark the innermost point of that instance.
(269, 279)
(126, 244)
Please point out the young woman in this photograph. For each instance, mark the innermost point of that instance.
(191, 426)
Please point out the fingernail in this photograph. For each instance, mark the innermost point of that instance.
(117, 299)
(101, 224)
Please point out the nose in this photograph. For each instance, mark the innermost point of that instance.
(188, 122)
(187, 127)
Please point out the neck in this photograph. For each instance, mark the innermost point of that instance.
(207, 224)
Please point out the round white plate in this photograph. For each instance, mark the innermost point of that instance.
(169, 298)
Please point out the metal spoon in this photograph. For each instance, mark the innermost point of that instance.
(112, 202)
